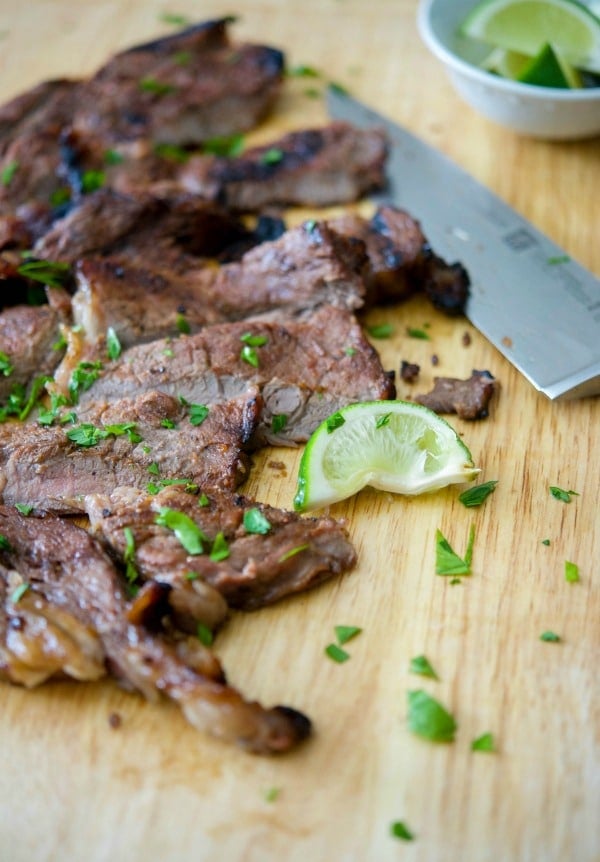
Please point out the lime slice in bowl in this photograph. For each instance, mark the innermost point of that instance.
(525, 26)
(395, 446)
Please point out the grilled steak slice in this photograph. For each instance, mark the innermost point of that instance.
(294, 274)
(305, 370)
(335, 164)
(28, 335)
(132, 441)
(251, 566)
(402, 261)
(469, 398)
(75, 592)
(141, 229)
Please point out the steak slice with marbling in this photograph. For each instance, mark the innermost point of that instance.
(251, 553)
(63, 610)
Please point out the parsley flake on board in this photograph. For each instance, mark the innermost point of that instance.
(421, 665)
(571, 572)
(485, 742)
(381, 330)
(187, 531)
(399, 829)
(271, 794)
(447, 561)
(478, 494)
(560, 494)
(255, 522)
(248, 354)
(346, 633)
(336, 653)
(271, 156)
(428, 718)
(550, 637)
(546, 542)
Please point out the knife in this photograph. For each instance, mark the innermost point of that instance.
(536, 305)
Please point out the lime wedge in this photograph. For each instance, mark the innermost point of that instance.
(525, 26)
(507, 64)
(395, 446)
(548, 69)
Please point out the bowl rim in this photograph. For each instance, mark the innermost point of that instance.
(542, 94)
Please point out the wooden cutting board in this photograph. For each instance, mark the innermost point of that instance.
(72, 787)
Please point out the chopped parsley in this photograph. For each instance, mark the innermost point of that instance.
(248, 354)
(303, 71)
(205, 635)
(83, 377)
(256, 522)
(412, 332)
(24, 508)
(231, 146)
(349, 351)
(559, 258)
(52, 273)
(87, 435)
(182, 324)
(485, 742)
(131, 573)
(113, 345)
(478, 494)
(399, 829)
(182, 58)
(154, 469)
(4, 543)
(346, 633)
(428, 718)
(60, 196)
(278, 422)
(272, 793)
(546, 542)
(198, 413)
(6, 366)
(571, 572)
(447, 561)
(381, 330)
(336, 653)
(8, 172)
(220, 548)
(272, 156)
(550, 637)
(168, 423)
(336, 420)
(175, 20)
(113, 157)
(563, 496)
(254, 340)
(19, 592)
(91, 181)
(187, 532)
(292, 552)
(383, 420)
(203, 500)
(48, 415)
(153, 85)
(421, 665)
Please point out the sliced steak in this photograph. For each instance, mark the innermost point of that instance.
(303, 269)
(253, 554)
(304, 369)
(28, 339)
(74, 607)
(133, 441)
(336, 164)
(402, 261)
(469, 398)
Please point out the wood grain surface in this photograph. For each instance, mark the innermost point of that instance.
(74, 788)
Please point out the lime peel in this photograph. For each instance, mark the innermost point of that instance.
(396, 446)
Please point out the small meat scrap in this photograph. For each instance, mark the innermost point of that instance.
(469, 398)
(409, 371)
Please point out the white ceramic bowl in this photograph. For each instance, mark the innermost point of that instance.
(541, 112)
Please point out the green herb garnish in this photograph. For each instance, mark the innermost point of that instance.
(229, 146)
(550, 637)
(278, 422)
(400, 830)
(60, 196)
(346, 633)
(131, 573)
(255, 522)
(248, 354)
(153, 468)
(6, 366)
(336, 420)
(271, 156)
(19, 592)
(198, 413)
(175, 20)
(421, 665)
(113, 345)
(485, 742)
(417, 333)
(292, 552)
(563, 496)
(272, 793)
(338, 88)
(478, 494)
(168, 423)
(182, 324)
(4, 543)
(203, 500)
(113, 157)
(254, 340)
(8, 172)
(383, 420)
(91, 181)
(83, 377)
(571, 572)
(188, 532)
(447, 561)
(428, 718)
(205, 635)
(220, 548)
(546, 542)
(559, 258)
(336, 653)
(381, 330)
(86, 435)
(54, 274)
(152, 85)
(24, 508)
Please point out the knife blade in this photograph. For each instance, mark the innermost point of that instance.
(537, 306)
